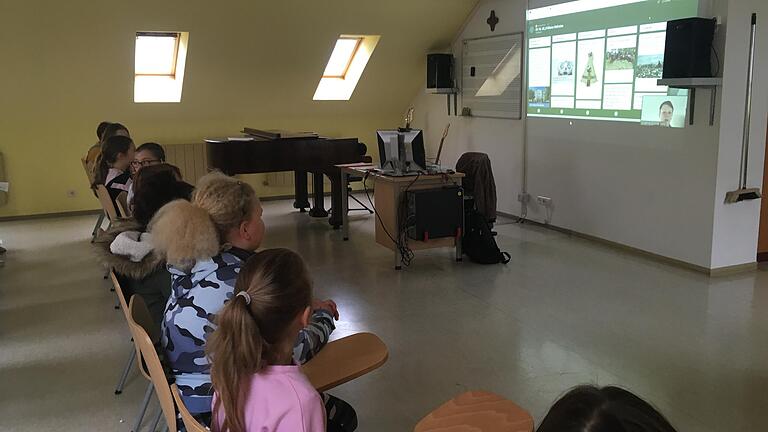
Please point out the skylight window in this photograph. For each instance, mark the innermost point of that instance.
(159, 66)
(345, 67)
(341, 57)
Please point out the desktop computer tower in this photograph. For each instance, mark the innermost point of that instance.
(688, 49)
(434, 213)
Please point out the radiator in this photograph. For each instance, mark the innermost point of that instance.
(190, 158)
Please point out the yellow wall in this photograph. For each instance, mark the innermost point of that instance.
(65, 66)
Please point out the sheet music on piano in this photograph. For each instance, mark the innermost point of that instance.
(277, 133)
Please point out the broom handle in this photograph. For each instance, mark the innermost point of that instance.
(748, 106)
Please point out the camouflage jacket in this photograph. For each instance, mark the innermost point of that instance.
(190, 314)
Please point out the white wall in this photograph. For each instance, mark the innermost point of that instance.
(736, 226)
(653, 189)
(501, 139)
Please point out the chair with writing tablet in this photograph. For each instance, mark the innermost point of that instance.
(477, 411)
(345, 359)
(141, 322)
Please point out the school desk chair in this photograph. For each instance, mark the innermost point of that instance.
(134, 355)
(141, 322)
(100, 220)
(121, 203)
(190, 423)
(477, 411)
(345, 359)
(106, 203)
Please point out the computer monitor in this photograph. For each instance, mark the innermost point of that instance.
(413, 143)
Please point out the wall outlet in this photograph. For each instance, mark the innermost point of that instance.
(545, 201)
(71, 193)
(524, 198)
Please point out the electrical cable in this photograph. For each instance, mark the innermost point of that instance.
(717, 61)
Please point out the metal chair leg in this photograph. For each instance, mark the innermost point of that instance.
(157, 420)
(144, 405)
(124, 376)
(96, 228)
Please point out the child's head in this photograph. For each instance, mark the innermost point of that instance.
(258, 326)
(148, 154)
(607, 409)
(113, 129)
(116, 152)
(224, 212)
(154, 187)
(101, 128)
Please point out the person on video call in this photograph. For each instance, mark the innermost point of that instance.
(666, 110)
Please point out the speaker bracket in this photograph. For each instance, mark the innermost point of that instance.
(692, 84)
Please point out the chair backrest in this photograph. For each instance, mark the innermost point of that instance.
(477, 411)
(124, 308)
(88, 168)
(106, 202)
(190, 423)
(122, 204)
(138, 318)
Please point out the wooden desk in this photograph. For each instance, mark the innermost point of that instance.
(477, 411)
(345, 359)
(388, 193)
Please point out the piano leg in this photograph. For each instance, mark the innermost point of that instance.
(337, 207)
(300, 187)
(318, 206)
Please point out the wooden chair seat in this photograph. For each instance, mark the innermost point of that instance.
(477, 411)
(190, 423)
(345, 359)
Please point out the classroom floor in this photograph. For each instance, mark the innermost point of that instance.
(564, 311)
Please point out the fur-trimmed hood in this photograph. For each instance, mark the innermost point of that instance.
(122, 264)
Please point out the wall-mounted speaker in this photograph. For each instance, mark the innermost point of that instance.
(688, 49)
(439, 71)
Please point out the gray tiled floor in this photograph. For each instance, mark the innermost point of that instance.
(564, 311)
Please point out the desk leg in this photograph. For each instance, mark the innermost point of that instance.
(318, 206)
(300, 190)
(344, 206)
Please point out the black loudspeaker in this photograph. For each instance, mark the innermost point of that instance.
(688, 49)
(439, 71)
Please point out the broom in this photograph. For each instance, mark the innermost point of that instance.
(743, 193)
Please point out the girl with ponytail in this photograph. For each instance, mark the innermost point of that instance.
(112, 165)
(258, 385)
(205, 243)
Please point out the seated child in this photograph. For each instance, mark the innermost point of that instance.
(205, 242)
(155, 186)
(103, 131)
(608, 409)
(128, 249)
(147, 154)
(113, 165)
(259, 387)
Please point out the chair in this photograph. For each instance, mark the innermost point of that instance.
(477, 411)
(140, 321)
(106, 203)
(478, 182)
(366, 159)
(100, 220)
(122, 205)
(345, 359)
(134, 355)
(190, 423)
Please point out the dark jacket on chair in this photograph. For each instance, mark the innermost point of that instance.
(479, 182)
(147, 277)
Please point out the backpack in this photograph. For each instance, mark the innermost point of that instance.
(478, 242)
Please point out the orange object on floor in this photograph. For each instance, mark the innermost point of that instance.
(477, 411)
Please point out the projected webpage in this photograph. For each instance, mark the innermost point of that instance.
(600, 59)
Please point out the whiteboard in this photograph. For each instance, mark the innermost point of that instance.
(491, 77)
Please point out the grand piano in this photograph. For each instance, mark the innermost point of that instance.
(300, 154)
